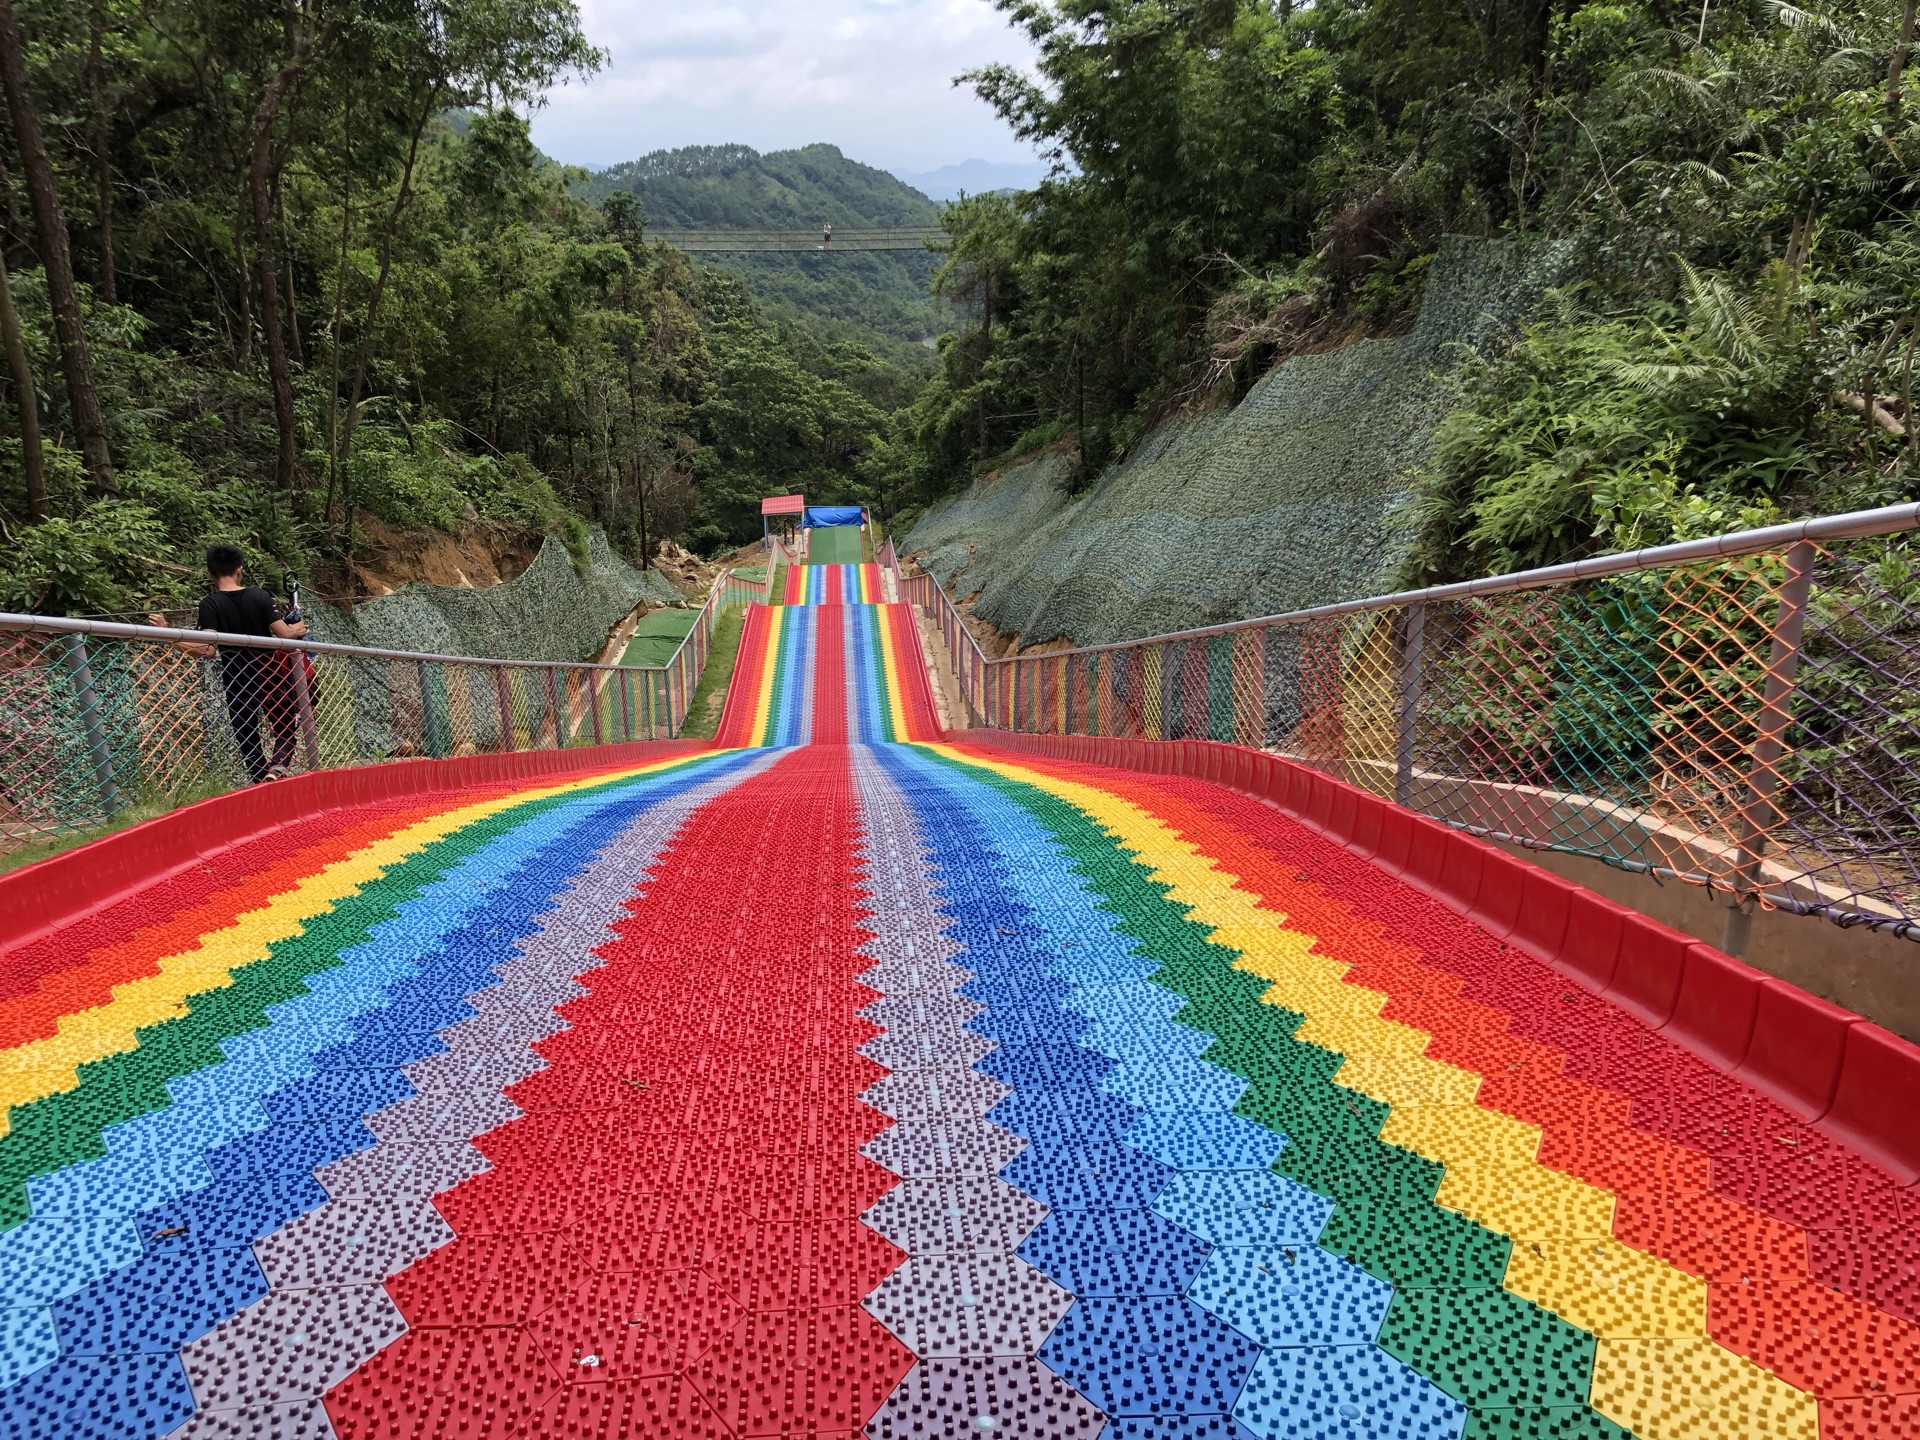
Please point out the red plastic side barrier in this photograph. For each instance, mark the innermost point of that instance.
(63, 888)
(1794, 1055)
(1713, 1013)
(1646, 982)
(1851, 1079)
(1873, 1104)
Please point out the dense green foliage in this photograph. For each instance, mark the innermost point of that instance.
(836, 297)
(1238, 180)
(324, 274)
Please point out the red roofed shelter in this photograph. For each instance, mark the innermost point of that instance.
(794, 505)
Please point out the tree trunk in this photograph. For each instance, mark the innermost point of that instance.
(260, 178)
(102, 155)
(76, 358)
(293, 309)
(1896, 67)
(400, 201)
(32, 459)
(243, 284)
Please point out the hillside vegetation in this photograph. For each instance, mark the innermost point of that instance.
(1733, 190)
(270, 273)
(881, 300)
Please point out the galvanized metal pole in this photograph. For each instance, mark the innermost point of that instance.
(78, 665)
(1411, 683)
(303, 712)
(1760, 814)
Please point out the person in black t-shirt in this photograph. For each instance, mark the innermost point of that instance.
(256, 681)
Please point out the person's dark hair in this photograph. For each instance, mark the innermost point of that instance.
(224, 560)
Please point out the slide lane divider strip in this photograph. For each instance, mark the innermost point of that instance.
(973, 1313)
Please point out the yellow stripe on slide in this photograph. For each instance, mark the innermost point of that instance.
(1657, 1371)
(50, 1066)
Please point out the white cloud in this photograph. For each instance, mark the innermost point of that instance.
(874, 77)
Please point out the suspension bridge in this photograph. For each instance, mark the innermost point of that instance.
(855, 1073)
(825, 239)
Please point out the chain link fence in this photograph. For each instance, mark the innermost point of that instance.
(1741, 713)
(100, 721)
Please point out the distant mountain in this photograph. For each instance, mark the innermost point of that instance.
(878, 297)
(974, 177)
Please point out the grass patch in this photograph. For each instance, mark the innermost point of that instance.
(710, 695)
(659, 635)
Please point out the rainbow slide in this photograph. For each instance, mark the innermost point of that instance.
(851, 1076)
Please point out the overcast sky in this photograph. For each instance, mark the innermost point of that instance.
(874, 77)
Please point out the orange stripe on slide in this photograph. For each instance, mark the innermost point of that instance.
(91, 982)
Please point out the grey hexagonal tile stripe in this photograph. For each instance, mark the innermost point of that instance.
(969, 1305)
(293, 1345)
(348, 1241)
(327, 1311)
(962, 1215)
(948, 1145)
(946, 1399)
(973, 1313)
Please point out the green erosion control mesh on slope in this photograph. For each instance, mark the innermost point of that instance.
(549, 612)
(1294, 498)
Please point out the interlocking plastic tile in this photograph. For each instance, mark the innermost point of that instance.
(160, 1306)
(345, 1242)
(1244, 1207)
(1292, 1295)
(997, 1396)
(1344, 1390)
(1116, 1252)
(293, 1345)
(955, 1216)
(955, 1305)
(1150, 1355)
(920, 1148)
(84, 1397)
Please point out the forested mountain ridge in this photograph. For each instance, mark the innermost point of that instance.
(269, 273)
(878, 299)
(734, 185)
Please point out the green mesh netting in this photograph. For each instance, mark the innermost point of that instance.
(1292, 499)
(549, 612)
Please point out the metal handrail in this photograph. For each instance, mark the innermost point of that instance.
(1855, 525)
(1738, 726)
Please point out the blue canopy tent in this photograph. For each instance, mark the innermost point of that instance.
(818, 515)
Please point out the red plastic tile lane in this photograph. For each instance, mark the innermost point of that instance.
(65, 946)
(90, 981)
(830, 673)
(669, 1243)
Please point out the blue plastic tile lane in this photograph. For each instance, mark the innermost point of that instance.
(1345, 1391)
(1293, 1295)
(1115, 1252)
(159, 1306)
(1059, 1065)
(1246, 1207)
(1150, 1355)
(82, 1397)
(1206, 1140)
(1095, 1172)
